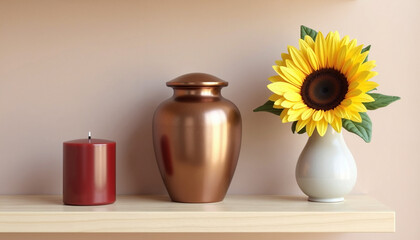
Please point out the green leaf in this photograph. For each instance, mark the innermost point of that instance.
(367, 48)
(307, 31)
(362, 129)
(268, 107)
(380, 101)
(303, 130)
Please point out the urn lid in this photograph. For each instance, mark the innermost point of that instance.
(197, 80)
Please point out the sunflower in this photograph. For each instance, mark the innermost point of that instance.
(322, 82)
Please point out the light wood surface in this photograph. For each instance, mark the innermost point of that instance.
(157, 214)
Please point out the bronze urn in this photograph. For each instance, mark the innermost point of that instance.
(197, 139)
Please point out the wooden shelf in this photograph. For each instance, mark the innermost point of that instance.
(156, 214)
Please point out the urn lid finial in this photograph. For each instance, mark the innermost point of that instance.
(196, 80)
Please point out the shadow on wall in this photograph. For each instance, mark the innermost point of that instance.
(137, 170)
(39, 176)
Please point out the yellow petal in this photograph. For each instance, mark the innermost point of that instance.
(310, 127)
(363, 76)
(320, 49)
(291, 76)
(307, 113)
(367, 66)
(299, 60)
(354, 52)
(294, 115)
(352, 44)
(358, 107)
(344, 41)
(310, 41)
(341, 57)
(312, 58)
(318, 115)
(346, 102)
(303, 46)
(362, 57)
(353, 85)
(283, 115)
(346, 66)
(277, 103)
(279, 72)
(279, 62)
(339, 111)
(331, 51)
(287, 104)
(353, 70)
(285, 56)
(321, 127)
(299, 105)
(354, 93)
(363, 98)
(282, 87)
(355, 116)
(292, 96)
(301, 124)
(329, 116)
(368, 86)
(275, 79)
(274, 97)
(337, 124)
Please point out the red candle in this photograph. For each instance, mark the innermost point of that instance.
(89, 172)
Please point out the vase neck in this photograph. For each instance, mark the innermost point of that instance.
(197, 91)
(330, 134)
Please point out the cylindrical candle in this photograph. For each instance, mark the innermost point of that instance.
(89, 172)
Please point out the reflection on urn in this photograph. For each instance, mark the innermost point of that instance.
(197, 138)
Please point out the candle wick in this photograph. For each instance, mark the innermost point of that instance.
(89, 136)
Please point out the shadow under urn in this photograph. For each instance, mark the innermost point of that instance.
(197, 138)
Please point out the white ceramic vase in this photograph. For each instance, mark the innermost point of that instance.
(326, 170)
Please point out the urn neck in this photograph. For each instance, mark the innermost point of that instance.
(197, 91)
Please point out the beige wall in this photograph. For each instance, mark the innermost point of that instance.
(69, 67)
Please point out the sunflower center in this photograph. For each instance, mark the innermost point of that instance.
(324, 89)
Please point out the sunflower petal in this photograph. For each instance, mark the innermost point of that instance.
(299, 105)
(363, 98)
(307, 113)
(321, 127)
(320, 49)
(310, 127)
(292, 96)
(275, 79)
(329, 116)
(341, 57)
(282, 87)
(368, 86)
(294, 115)
(299, 60)
(337, 124)
(301, 124)
(274, 97)
(318, 115)
(346, 102)
(353, 93)
(367, 66)
(287, 104)
(355, 117)
(283, 115)
(344, 41)
(310, 41)
(312, 58)
(291, 76)
(358, 107)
